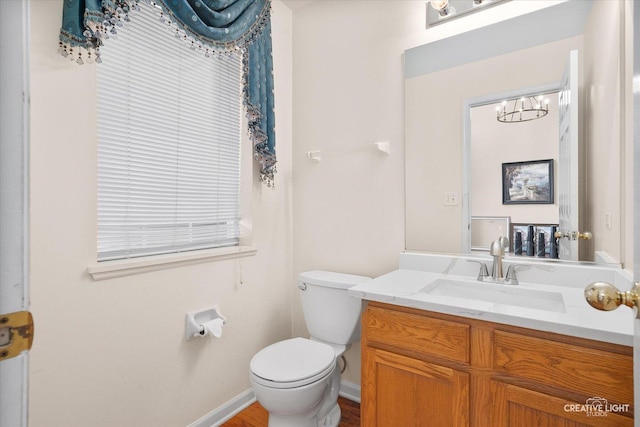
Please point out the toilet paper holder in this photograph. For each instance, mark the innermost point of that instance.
(195, 320)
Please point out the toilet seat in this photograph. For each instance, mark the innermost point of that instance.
(292, 363)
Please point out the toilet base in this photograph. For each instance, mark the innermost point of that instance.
(332, 419)
(325, 413)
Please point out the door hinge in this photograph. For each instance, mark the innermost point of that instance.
(16, 334)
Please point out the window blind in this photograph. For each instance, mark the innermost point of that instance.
(169, 123)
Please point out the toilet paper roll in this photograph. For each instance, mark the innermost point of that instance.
(213, 327)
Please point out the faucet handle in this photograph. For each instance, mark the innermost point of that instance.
(512, 278)
(484, 271)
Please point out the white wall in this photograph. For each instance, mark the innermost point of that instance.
(603, 130)
(348, 80)
(113, 352)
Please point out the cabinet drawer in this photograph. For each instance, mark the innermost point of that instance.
(584, 370)
(420, 334)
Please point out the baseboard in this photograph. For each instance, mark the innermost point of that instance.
(350, 391)
(226, 411)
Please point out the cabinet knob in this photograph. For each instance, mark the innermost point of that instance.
(606, 297)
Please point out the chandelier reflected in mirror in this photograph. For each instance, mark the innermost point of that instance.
(522, 109)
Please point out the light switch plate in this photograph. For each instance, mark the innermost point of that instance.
(451, 199)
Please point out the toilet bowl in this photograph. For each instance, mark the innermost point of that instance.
(298, 380)
(293, 379)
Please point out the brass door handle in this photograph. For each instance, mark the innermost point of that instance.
(606, 297)
(574, 235)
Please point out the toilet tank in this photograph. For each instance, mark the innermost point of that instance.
(330, 313)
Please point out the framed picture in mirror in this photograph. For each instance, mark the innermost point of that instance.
(486, 229)
(528, 182)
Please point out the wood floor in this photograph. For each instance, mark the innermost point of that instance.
(256, 416)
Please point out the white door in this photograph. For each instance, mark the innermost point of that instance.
(14, 123)
(636, 200)
(568, 181)
(633, 296)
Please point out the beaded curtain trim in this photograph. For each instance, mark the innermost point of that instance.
(88, 23)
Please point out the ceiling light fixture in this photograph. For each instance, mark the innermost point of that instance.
(522, 109)
(443, 7)
(441, 11)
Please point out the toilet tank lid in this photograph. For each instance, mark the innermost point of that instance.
(331, 279)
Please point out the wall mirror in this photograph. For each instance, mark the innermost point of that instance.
(450, 179)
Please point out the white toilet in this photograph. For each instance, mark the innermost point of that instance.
(298, 380)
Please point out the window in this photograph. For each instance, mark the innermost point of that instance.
(169, 131)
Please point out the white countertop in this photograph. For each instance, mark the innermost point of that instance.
(404, 287)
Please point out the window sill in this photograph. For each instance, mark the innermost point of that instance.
(129, 267)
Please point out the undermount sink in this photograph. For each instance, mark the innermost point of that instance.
(497, 293)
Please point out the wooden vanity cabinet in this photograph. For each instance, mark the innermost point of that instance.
(421, 368)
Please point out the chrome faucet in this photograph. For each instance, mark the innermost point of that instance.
(497, 252)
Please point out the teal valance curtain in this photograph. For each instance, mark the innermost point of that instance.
(215, 27)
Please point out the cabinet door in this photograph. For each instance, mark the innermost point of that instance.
(586, 371)
(399, 391)
(517, 406)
